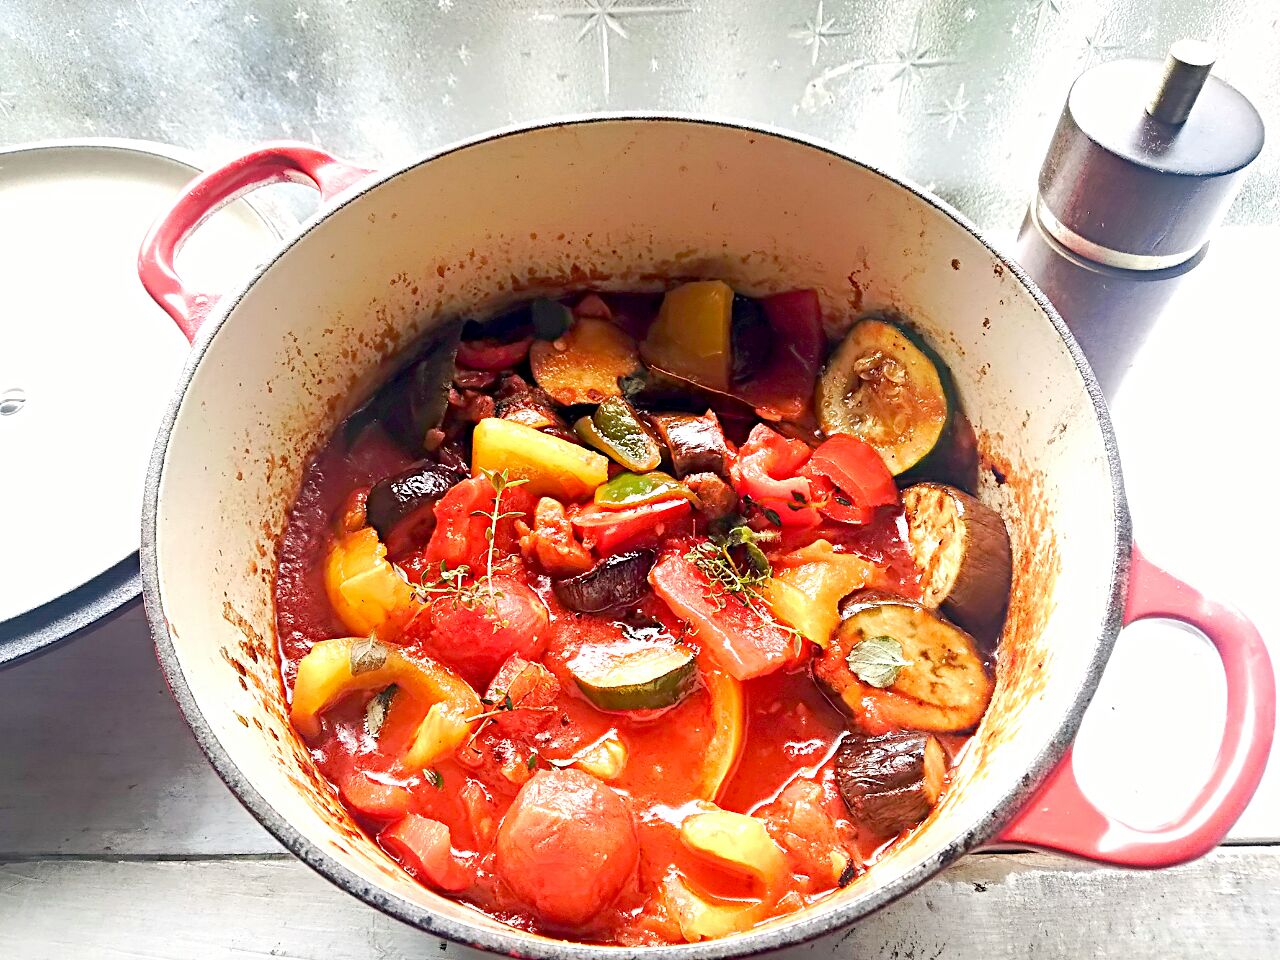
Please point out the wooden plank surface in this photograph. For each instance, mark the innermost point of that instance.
(989, 906)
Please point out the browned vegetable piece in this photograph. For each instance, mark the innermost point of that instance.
(714, 497)
(523, 403)
(890, 782)
(402, 507)
(696, 444)
(962, 549)
(584, 365)
(619, 580)
(892, 663)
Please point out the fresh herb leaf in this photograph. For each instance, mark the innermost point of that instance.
(772, 517)
(844, 502)
(367, 655)
(532, 761)
(375, 711)
(877, 661)
(551, 319)
(633, 384)
(798, 497)
(434, 778)
(847, 874)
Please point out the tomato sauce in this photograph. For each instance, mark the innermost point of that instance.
(764, 748)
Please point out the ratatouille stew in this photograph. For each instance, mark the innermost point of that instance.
(642, 619)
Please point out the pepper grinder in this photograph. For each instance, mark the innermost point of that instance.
(1144, 163)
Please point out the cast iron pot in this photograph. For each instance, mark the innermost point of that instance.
(620, 203)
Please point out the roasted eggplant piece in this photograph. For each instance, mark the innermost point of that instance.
(961, 547)
(585, 364)
(696, 444)
(890, 782)
(893, 663)
(402, 507)
(414, 400)
(619, 580)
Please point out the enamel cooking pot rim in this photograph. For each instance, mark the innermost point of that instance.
(809, 924)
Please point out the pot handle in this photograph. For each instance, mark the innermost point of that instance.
(1062, 819)
(209, 192)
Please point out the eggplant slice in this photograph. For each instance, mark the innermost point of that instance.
(962, 549)
(616, 581)
(696, 444)
(936, 680)
(890, 782)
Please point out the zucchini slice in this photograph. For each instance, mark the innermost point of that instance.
(917, 669)
(626, 676)
(891, 782)
(880, 385)
(962, 548)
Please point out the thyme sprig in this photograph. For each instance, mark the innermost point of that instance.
(454, 582)
(731, 578)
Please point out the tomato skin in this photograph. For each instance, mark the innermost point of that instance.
(462, 523)
(491, 354)
(567, 846)
(473, 637)
(743, 643)
(607, 531)
(382, 801)
(767, 471)
(423, 846)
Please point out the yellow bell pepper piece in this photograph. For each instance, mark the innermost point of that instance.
(692, 335)
(442, 731)
(728, 723)
(702, 919)
(335, 668)
(362, 587)
(605, 759)
(808, 585)
(552, 467)
(736, 842)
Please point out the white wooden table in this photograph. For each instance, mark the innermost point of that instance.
(117, 839)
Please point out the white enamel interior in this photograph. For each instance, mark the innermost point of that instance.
(614, 203)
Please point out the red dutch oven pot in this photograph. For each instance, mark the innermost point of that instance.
(614, 202)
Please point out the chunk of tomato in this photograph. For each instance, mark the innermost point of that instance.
(743, 640)
(767, 470)
(423, 847)
(567, 846)
(475, 633)
(610, 531)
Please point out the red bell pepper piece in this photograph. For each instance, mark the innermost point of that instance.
(745, 641)
(768, 471)
(849, 479)
(783, 390)
(423, 845)
(609, 531)
(492, 354)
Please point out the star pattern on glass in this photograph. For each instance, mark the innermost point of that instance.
(1040, 10)
(817, 32)
(444, 6)
(912, 61)
(605, 19)
(7, 103)
(953, 112)
(464, 53)
(301, 16)
(1101, 43)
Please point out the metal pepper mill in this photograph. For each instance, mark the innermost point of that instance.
(1144, 163)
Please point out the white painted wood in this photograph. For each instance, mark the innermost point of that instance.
(989, 906)
(95, 757)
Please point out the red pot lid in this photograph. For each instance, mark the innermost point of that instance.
(87, 364)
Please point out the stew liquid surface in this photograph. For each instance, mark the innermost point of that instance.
(646, 619)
